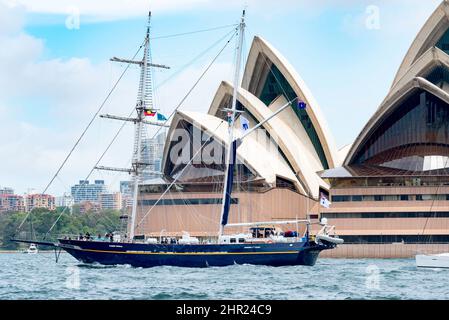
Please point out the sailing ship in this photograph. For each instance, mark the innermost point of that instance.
(263, 244)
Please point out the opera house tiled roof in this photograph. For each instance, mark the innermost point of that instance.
(407, 135)
(409, 132)
(300, 138)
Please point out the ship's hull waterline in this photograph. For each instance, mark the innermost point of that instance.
(195, 256)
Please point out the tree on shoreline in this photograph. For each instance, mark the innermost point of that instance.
(40, 220)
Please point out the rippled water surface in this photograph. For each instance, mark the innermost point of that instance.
(25, 276)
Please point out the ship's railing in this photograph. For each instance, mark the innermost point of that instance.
(327, 230)
(55, 237)
(114, 237)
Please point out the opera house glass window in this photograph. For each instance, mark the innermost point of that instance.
(443, 43)
(439, 76)
(414, 137)
(208, 163)
(275, 85)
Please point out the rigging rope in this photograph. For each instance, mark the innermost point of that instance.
(124, 123)
(195, 84)
(199, 79)
(279, 83)
(90, 122)
(194, 59)
(92, 170)
(433, 202)
(179, 175)
(84, 132)
(177, 72)
(174, 111)
(193, 32)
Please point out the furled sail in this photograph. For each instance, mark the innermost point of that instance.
(229, 182)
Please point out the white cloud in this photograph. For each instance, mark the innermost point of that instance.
(109, 8)
(45, 105)
(122, 9)
(393, 18)
(119, 9)
(201, 97)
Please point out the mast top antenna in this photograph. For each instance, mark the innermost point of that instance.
(149, 22)
(242, 21)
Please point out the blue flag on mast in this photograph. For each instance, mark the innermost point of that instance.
(244, 123)
(301, 105)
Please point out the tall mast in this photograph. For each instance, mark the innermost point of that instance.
(144, 101)
(232, 145)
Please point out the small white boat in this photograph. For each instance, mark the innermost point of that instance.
(32, 249)
(432, 260)
(324, 235)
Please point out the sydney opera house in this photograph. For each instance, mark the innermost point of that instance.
(389, 190)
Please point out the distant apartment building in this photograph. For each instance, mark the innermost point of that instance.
(45, 201)
(66, 200)
(11, 202)
(126, 187)
(127, 192)
(110, 201)
(84, 191)
(6, 190)
(152, 154)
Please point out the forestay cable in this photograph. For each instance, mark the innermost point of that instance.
(173, 112)
(91, 171)
(193, 32)
(195, 84)
(122, 126)
(84, 132)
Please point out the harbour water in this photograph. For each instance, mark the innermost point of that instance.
(26, 276)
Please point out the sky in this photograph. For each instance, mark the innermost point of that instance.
(55, 69)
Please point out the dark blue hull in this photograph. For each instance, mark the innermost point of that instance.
(204, 255)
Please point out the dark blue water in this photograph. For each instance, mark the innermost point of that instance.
(25, 276)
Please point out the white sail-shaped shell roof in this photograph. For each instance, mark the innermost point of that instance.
(428, 36)
(261, 57)
(251, 152)
(290, 137)
(300, 144)
(421, 59)
(390, 105)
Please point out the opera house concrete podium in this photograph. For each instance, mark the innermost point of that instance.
(389, 189)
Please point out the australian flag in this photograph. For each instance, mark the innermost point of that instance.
(301, 105)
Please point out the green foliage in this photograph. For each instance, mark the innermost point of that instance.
(41, 220)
